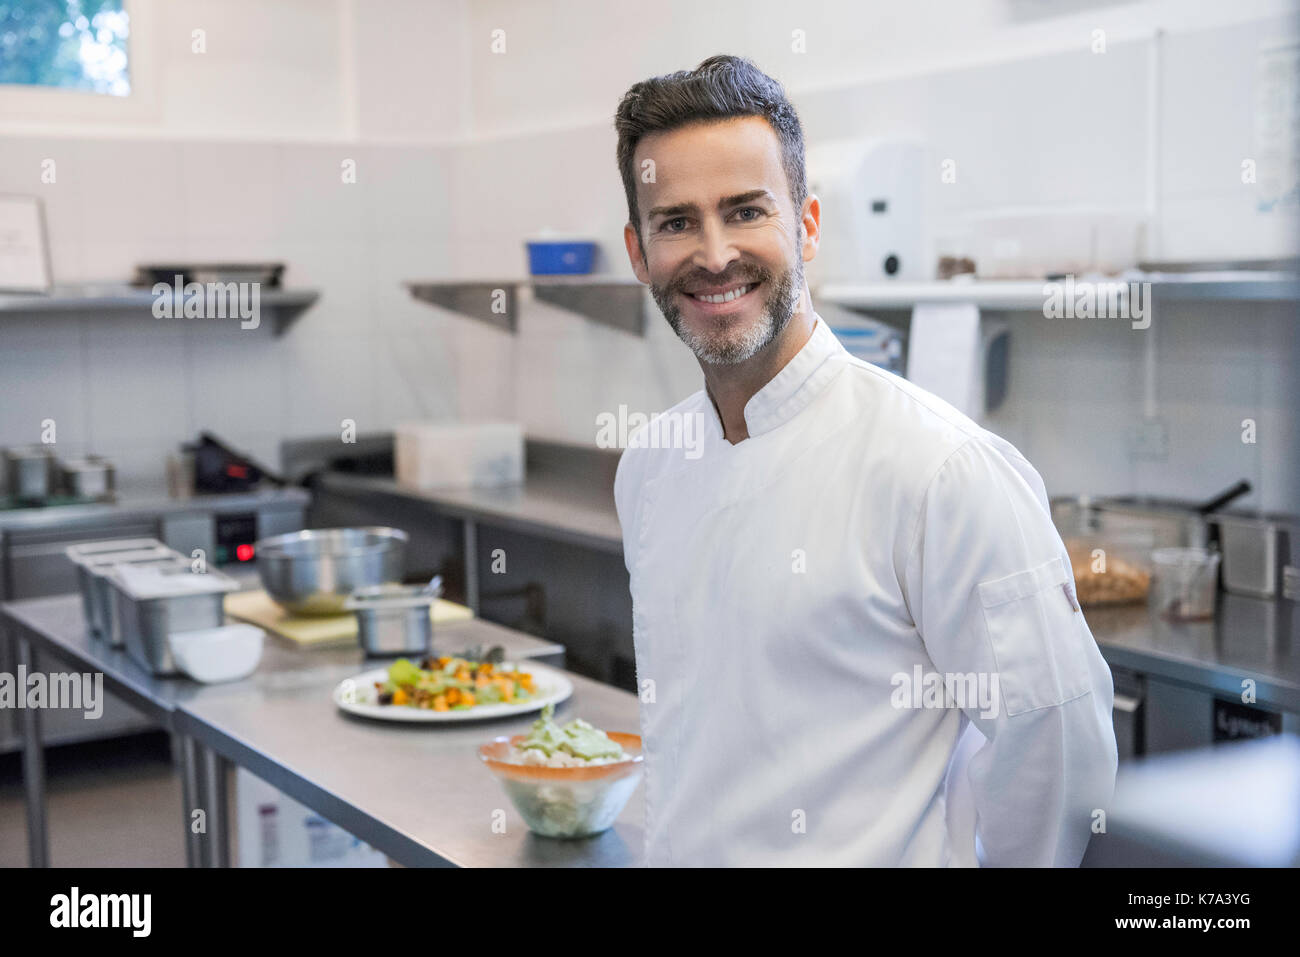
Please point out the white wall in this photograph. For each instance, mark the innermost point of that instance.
(235, 153)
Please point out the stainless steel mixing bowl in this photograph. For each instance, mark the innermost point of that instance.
(312, 572)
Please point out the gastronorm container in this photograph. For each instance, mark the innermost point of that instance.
(150, 604)
(1255, 550)
(94, 559)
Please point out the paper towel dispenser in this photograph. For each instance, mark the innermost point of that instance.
(959, 355)
(873, 210)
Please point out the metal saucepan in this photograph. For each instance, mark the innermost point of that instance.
(313, 572)
(395, 619)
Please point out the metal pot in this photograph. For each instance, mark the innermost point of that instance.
(313, 572)
(395, 619)
(30, 473)
(88, 478)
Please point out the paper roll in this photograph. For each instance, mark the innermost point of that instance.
(945, 354)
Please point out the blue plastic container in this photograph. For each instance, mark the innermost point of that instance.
(561, 258)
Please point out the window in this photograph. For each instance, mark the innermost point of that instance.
(70, 44)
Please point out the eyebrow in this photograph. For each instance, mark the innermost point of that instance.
(727, 201)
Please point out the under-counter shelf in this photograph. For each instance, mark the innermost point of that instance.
(282, 306)
(619, 303)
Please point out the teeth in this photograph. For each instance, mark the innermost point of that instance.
(726, 297)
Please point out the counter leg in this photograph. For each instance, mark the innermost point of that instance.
(38, 843)
(471, 565)
(190, 797)
(215, 770)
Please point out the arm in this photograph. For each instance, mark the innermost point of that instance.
(990, 589)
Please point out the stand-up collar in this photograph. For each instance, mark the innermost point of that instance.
(795, 386)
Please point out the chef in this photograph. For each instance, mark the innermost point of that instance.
(857, 636)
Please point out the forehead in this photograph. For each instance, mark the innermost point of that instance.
(702, 162)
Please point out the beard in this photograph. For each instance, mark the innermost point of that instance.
(726, 345)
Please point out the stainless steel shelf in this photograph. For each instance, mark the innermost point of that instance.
(1240, 286)
(618, 303)
(284, 306)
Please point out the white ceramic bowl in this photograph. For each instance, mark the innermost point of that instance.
(210, 655)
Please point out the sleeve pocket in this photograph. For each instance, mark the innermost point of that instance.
(1037, 638)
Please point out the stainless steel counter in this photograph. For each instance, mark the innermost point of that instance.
(1251, 638)
(420, 794)
(554, 506)
(416, 793)
(129, 506)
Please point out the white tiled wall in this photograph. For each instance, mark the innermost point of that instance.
(1065, 128)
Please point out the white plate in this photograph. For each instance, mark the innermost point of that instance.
(358, 695)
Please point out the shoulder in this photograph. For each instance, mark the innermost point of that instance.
(936, 447)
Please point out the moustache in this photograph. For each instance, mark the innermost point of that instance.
(751, 274)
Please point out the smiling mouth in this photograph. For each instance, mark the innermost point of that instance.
(727, 294)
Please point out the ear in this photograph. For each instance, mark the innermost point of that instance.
(812, 227)
(633, 244)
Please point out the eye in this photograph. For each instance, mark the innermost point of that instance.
(674, 225)
(749, 214)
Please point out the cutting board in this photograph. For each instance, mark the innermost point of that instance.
(256, 607)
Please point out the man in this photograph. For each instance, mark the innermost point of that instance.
(848, 573)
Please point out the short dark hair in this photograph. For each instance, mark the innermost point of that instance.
(721, 88)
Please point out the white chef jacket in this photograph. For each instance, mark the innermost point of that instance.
(866, 529)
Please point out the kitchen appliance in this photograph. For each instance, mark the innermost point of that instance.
(873, 200)
(218, 468)
(152, 603)
(394, 619)
(1255, 549)
(1169, 522)
(30, 473)
(87, 479)
(313, 572)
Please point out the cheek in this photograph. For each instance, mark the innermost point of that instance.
(663, 261)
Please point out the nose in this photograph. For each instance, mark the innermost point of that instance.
(715, 251)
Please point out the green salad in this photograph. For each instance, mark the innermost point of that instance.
(577, 738)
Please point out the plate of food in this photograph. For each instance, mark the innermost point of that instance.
(451, 688)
